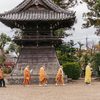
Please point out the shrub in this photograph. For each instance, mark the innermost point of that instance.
(97, 62)
(7, 64)
(72, 70)
(7, 70)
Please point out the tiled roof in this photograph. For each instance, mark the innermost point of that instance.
(37, 15)
(56, 13)
(49, 3)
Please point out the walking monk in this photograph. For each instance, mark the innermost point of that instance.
(88, 74)
(59, 78)
(27, 76)
(42, 77)
(1, 78)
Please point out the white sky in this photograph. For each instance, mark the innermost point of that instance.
(78, 35)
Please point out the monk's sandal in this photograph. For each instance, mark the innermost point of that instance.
(40, 85)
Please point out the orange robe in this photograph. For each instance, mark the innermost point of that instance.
(59, 78)
(42, 77)
(1, 74)
(27, 77)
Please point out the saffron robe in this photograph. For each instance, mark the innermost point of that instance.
(59, 78)
(27, 77)
(1, 74)
(88, 75)
(42, 77)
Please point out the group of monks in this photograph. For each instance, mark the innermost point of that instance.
(42, 77)
(59, 78)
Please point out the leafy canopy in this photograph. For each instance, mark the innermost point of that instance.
(13, 47)
(4, 40)
(92, 17)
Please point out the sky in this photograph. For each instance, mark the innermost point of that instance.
(79, 35)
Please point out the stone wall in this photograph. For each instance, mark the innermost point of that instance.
(36, 58)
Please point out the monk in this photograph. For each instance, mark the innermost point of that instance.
(88, 74)
(1, 78)
(59, 78)
(27, 76)
(42, 77)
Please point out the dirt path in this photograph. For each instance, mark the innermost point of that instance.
(76, 91)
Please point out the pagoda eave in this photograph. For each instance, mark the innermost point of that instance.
(62, 19)
(19, 23)
(36, 40)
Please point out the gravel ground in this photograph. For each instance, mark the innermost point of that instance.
(76, 91)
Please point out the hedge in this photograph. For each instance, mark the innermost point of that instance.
(97, 62)
(72, 70)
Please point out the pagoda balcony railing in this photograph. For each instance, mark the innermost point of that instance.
(39, 37)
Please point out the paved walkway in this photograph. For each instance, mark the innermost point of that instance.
(76, 91)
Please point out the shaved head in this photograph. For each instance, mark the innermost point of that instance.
(61, 67)
(89, 64)
(43, 66)
(27, 66)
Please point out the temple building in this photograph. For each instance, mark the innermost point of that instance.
(38, 19)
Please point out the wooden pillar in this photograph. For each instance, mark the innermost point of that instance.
(37, 32)
(51, 30)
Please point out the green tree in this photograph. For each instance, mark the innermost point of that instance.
(66, 4)
(18, 33)
(4, 40)
(92, 17)
(79, 52)
(2, 59)
(61, 33)
(13, 47)
(60, 3)
(85, 60)
(67, 52)
(58, 53)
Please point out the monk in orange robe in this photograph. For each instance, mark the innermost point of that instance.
(59, 78)
(27, 76)
(1, 78)
(42, 77)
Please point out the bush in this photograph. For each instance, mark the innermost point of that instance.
(97, 62)
(7, 64)
(72, 70)
(7, 70)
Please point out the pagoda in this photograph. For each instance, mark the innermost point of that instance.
(38, 19)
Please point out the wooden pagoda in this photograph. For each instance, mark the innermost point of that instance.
(38, 19)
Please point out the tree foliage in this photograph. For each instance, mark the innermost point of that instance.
(13, 47)
(18, 33)
(66, 4)
(4, 40)
(79, 50)
(92, 17)
(97, 62)
(66, 52)
(2, 59)
(61, 33)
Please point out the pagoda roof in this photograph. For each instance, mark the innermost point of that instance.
(37, 10)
